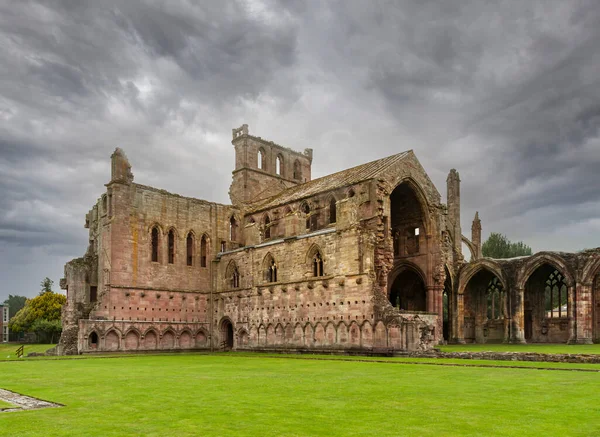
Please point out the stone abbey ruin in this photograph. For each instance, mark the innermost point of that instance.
(367, 259)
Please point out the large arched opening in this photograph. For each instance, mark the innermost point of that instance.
(485, 308)
(407, 292)
(546, 305)
(407, 223)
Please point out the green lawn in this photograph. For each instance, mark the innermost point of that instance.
(535, 347)
(8, 350)
(5, 405)
(253, 395)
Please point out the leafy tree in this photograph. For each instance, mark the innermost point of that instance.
(499, 246)
(47, 331)
(39, 314)
(15, 303)
(46, 285)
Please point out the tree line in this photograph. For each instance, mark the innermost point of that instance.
(39, 315)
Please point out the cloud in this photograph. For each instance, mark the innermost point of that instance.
(506, 92)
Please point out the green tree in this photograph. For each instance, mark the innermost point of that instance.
(499, 246)
(15, 303)
(38, 313)
(46, 285)
(47, 331)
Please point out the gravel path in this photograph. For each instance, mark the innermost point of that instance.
(22, 402)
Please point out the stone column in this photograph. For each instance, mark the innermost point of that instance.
(430, 299)
(458, 319)
(517, 316)
(439, 309)
(580, 311)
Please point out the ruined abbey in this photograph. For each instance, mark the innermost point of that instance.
(364, 260)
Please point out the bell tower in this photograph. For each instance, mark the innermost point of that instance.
(264, 168)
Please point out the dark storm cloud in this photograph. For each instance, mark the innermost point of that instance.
(507, 92)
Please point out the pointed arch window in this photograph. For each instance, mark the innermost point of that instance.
(297, 171)
(235, 278)
(203, 251)
(267, 226)
(495, 299)
(261, 159)
(279, 165)
(93, 340)
(317, 264)
(271, 269)
(555, 293)
(154, 244)
(306, 211)
(171, 246)
(233, 229)
(332, 211)
(189, 244)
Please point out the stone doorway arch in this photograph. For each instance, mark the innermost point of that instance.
(226, 335)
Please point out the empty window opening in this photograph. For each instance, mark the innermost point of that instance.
(412, 241)
(223, 245)
(233, 229)
(171, 247)
(279, 166)
(317, 264)
(154, 244)
(332, 211)
(93, 293)
(261, 159)
(313, 222)
(93, 339)
(203, 251)
(267, 226)
(297, 170)
(190, 249)
(351, 193)
(306, 211)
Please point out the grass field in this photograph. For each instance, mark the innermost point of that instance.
(5, 405)
(8, 350)
(256, 395)
(535, 347)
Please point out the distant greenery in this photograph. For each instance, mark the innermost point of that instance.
(40, 314)
(15, 303)
(233, 395)
(499, 246)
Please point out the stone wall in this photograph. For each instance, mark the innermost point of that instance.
(524, 282)
(122, 299)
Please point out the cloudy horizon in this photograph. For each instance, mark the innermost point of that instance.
(507, 93)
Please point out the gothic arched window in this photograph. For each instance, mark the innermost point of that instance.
(317, 264)
(189, 244)
(171, 248)
(203, 251)
(332, 211)
(154, 244)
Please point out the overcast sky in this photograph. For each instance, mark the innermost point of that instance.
(508, 93)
